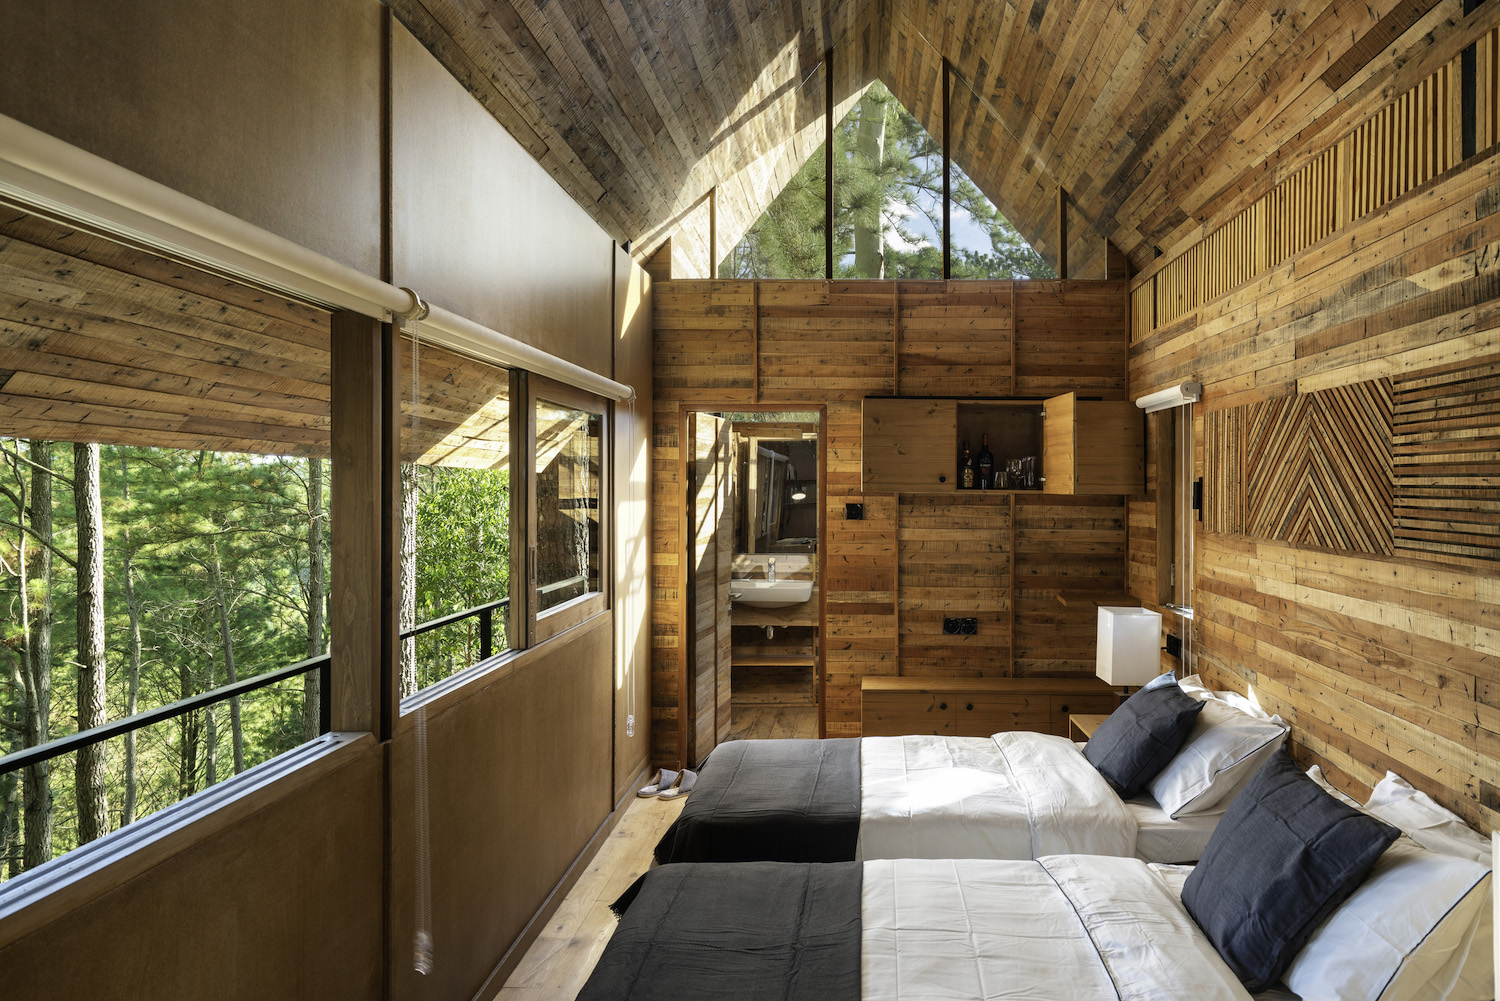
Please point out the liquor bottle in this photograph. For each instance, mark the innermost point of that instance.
(966, 471)
(986, 464)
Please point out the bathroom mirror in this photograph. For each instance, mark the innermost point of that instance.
(776, 486)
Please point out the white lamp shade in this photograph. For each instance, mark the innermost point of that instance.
(1129, 645)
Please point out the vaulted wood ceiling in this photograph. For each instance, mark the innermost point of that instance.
(1146, 111)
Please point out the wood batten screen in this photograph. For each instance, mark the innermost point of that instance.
(795, 345)
(1401, 146)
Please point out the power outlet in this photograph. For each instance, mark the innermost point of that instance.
(960, 627)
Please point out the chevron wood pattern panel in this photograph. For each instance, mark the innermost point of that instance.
(1317, 469)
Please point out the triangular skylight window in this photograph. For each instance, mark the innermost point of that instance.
(888, 211)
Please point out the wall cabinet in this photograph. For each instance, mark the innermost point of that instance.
(978, 707)
(1082, 446)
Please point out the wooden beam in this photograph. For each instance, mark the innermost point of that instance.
(366, 467)
(828, 165)
(947, 170)
(1062, 232)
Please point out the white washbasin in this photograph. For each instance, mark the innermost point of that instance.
(769, 593)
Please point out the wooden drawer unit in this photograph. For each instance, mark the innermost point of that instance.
(981, 714)
(978, 707)
(893, 714)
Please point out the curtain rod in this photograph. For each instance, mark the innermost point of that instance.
(60, 180)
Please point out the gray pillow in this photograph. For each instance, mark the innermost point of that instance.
(1141, 736)
(1283, 858)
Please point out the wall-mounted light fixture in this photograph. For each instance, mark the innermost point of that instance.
(1174, 396)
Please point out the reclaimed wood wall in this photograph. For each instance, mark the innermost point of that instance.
(889, 577)
(1379, 660)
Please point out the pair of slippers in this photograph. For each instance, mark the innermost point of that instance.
(667, 784)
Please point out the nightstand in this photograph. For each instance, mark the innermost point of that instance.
(1081, 726)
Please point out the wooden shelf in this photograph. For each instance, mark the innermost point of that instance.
(759, 661)
(1082, 599)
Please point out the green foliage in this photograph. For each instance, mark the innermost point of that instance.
(206, 533)
(463, 560)
(880, 197)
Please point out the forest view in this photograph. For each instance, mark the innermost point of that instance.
(887, 212)
(134, 577)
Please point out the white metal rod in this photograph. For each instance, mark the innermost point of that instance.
(60, 179)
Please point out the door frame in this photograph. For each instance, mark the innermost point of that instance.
(686, 662)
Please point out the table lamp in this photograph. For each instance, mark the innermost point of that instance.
(1129, 650)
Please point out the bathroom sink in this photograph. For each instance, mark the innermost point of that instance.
(769, 593)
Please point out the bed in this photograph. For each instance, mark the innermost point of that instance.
(1332, 905)
(1014, 795)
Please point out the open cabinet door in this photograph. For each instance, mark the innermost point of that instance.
(711, 526)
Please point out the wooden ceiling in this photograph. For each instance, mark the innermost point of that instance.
(1146, 111)
(108, 343)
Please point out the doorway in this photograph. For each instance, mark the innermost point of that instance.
(754, 480)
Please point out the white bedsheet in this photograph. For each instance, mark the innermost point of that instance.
(1160, 838)
(1010, 796)
(1070, 928)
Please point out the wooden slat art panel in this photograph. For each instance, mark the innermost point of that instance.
(1403, 145)
(954, 559)
(1317, 469)
(1447, 456)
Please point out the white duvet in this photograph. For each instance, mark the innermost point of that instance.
(1010, 796)
(1066, 928)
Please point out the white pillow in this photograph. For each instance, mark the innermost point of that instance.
(1403, 934)
(1431, 826)
(1224, 748)
(1440, 830)
(1193, 685)
(1316, 774)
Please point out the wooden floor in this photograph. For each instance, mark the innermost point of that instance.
(773, 722)
(561, 958)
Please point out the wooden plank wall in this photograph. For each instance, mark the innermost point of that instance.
(721, 345)
(1378, 661)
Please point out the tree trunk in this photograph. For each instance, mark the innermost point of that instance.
(409, 493)
(133, 692)
(188, 727)
(316, 597)
(38, 777)
(226, 641)
(869, 261)
(93, 806)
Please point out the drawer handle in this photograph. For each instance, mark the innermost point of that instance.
(942, 705)
(970, 707)
(942, 478)
(1064, 708)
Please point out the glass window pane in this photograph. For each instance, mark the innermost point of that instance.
(567, 503)
(984, 244)
(455, 518)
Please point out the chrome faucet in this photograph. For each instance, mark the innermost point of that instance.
(771, 573)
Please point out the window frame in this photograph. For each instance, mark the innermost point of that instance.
(540, 625)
